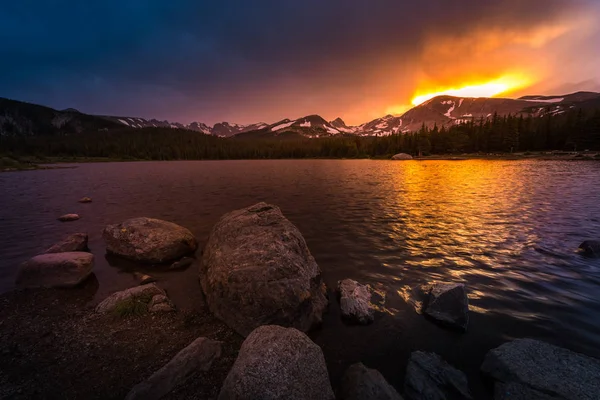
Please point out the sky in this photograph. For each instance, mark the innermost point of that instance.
(262, 61)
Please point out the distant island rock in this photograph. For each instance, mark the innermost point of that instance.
(402, 156)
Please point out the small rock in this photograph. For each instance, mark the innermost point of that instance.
(74, 242)
(402, 156)
(362, 383)
(355, 301)
(449, 305)
(428, 377)
(591, 248)
(143, 278)
(182, 264)
(55, 270)
(526, 366)
(85, 200)
(132, 301)
(278, 363)
(68, 217)
(196, 357)
(160, 303)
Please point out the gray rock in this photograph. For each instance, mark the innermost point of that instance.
(449, 305)
(355, 302)
(542, 367)
(195, 358)
(85, 200)
(516, 391)
(55, 270)
(402, 156)
(278, 363)
(74, 242)
(149, 240)
(257, 270)
(135, 300)
(182, 264)
(68, 217)
(429, 377)
(591, 248)
(362, 383)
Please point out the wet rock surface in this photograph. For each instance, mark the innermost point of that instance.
(448, 304)
(355, 302)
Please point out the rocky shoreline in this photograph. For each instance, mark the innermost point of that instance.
(261, 283)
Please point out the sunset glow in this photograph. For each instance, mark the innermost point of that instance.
(493, 88)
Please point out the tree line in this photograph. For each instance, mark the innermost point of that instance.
(574, 130)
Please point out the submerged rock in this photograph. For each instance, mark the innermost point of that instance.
(149, 240)
(278, 363)
(68, 217)
(74, 242)
(196, 357)
(362, 383)
(355, 301)
(136, 301)
(449, 305)
(591, 248)
(402, 156)
(257, 270)
(526, 366)
(55, 270)
(429, 377)
(85, 200)
(182, 264)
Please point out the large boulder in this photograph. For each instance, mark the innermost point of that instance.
(136, 301)
(197, 357)
(362, 383)
(590, 248)
(531, 366)
(402, 156)
(448, 304)
(257, 270)
(355, 302)
(429, 377)
(149, 240)
(74, 242)
(55, 270)
(278, 363)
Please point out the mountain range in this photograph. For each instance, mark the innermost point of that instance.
(25, 119)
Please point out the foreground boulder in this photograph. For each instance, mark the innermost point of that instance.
(55, 270)
(68, 217)
(257, 270)
(429, 377)
(74, 242)
(402, 156)
(591, 248)
(149, 240)
(532, 369)
(197, 357)
(362, 383)
(449, 305)
(355, 302)
(136, 301)
(278, 363)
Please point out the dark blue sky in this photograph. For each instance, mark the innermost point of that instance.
(246, 61)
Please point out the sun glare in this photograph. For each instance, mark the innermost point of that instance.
(488, 89)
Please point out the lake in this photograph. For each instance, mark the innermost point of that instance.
(508, 229)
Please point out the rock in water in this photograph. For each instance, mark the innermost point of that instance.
(448, 304)
(196, 357)
(355, 301)
(149, 240)
(85, 200)
(362, 383)
(257, 270)
(68, 217)
(136, 300)
(591, 248)
(530, 366)
(74, 242)
(144, 278)
(402, 156)
(428, 377)
(55, 270)
(182, 264)
(278, 363)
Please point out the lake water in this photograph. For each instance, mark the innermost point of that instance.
(508, 229)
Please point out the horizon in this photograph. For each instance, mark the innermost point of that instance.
(157, 61)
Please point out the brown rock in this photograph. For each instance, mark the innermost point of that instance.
(68, 217)
(55, 270)
(85, 200)
(74, 242)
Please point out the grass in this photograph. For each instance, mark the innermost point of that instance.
(133, 307)
(13, 164)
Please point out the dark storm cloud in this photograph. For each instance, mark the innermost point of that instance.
(205, 60)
